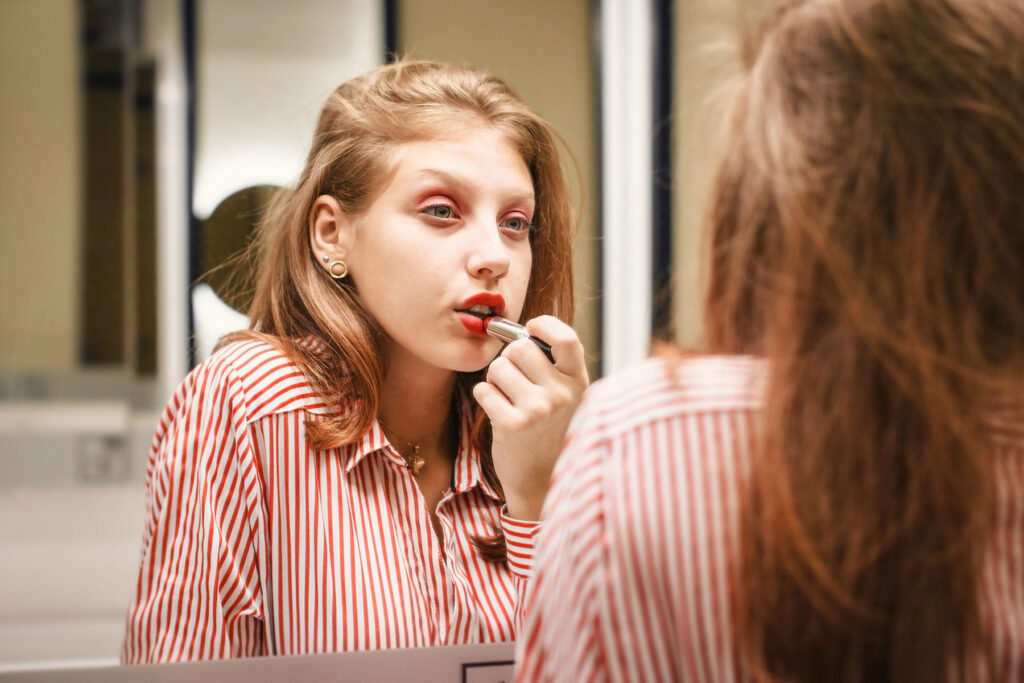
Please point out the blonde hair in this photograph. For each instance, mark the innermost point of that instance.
(362, 121)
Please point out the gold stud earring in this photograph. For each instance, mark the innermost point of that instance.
(338, 269)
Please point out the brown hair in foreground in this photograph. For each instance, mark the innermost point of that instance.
(363, 121)
(866, 238)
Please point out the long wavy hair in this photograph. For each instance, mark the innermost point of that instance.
(362, 121)
(866, 237)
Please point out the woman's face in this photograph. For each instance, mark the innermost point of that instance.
(448, 237)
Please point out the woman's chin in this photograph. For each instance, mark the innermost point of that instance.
(473, 366)
(479, 358)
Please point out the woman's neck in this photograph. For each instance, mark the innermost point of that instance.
(415, 406)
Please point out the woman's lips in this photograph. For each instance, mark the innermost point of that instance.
(487, 304)
(472, 322)
(492, 300)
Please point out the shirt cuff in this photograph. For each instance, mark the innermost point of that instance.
(520, 538)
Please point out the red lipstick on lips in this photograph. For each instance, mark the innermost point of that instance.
(474, 321)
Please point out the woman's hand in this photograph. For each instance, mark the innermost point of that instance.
(530, 402)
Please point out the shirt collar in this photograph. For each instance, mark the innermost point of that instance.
(373, 441)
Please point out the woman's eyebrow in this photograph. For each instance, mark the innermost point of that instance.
(445, 176)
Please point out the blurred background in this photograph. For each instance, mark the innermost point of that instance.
(139, 142)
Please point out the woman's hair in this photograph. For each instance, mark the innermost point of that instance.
(866, 237)
(360, 125)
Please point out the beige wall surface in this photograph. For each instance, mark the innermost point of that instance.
(39, 184)
(706, 40)
(542, 50)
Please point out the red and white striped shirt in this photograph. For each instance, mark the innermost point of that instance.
(639, 549)
(257, 544)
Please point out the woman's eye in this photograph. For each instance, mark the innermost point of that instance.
(516, 224)
(442, 211)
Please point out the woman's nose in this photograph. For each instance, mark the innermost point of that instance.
(489, 256)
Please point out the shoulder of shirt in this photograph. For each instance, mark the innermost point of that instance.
(261, 375)
(664, 388)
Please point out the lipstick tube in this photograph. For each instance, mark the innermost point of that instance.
(508, 332)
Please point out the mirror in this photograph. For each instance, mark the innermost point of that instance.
(97, 173)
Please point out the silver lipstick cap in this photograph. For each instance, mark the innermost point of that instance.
(506, 330)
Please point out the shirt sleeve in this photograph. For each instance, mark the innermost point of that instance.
(198, 593)
(560, 637)
(520, 541)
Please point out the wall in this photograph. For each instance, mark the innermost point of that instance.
(39, 184)
(706, 34)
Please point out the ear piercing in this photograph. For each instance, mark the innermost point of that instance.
(338, 269)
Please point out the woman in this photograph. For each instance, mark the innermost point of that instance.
(837, 492)
(344, 476)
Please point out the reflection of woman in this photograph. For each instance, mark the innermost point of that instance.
(327, 481)
(846, 502)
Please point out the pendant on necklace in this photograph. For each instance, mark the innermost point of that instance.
(415, 461)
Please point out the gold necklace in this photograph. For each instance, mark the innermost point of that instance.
(414, 461)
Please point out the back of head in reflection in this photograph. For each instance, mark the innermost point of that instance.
(836, 492)
(359, 470)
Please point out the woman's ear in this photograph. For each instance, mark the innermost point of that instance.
(331, 231)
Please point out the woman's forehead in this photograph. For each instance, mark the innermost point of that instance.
(482, 158)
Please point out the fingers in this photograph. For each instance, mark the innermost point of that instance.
(565, 344)
(527, 380)
(529, 360)
(497, 406)
(530, 402)
(521, 385)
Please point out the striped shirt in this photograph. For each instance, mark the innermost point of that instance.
(255, 543)
(639, 552)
